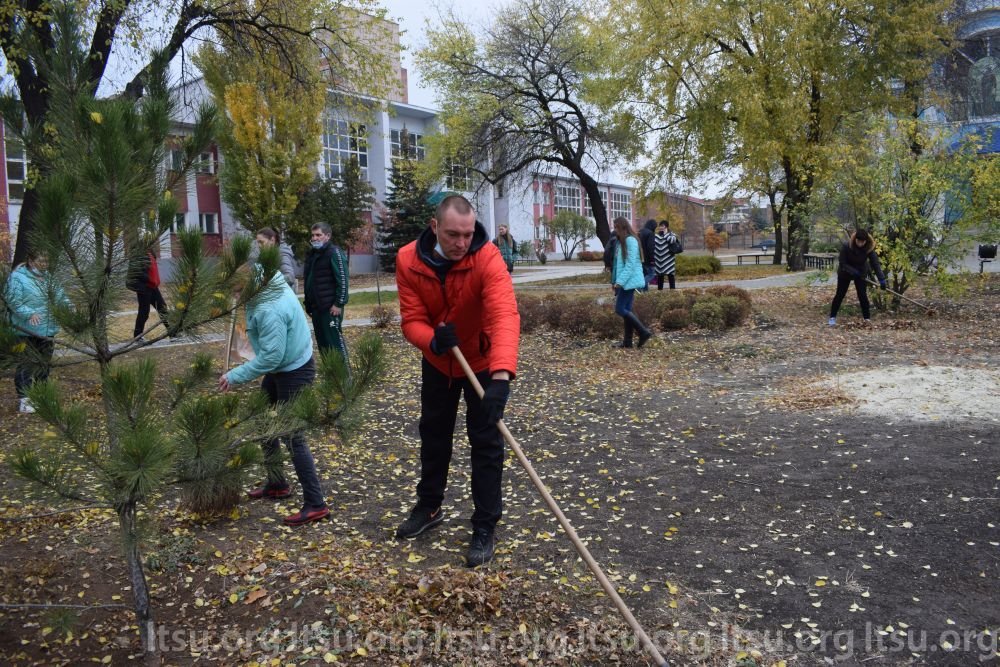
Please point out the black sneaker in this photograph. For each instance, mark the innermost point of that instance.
(421, 519)
(480, 547)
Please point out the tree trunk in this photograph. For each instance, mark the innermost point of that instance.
(798, 188)
(597, 207)
(140, 590)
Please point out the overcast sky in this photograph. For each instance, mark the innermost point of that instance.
(412, 15)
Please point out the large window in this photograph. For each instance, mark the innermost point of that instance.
(414, 144)
(209, 223)
(461, 178)
(341, 142)
(206, 163)
(17, 168)
(621, 205)
(179, 223)
(567, 198)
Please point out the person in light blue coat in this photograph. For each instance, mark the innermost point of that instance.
(29, 298)
(627, 276)
(282, 344)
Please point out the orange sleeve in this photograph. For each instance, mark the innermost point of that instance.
(414, 318)
(501, 319)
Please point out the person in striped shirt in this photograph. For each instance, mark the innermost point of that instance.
(664, 263)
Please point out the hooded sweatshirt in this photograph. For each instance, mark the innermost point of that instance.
(854, 260)
(474, 293)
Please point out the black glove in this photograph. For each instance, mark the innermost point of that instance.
(445, 338)
(495, 399)
(882, 284)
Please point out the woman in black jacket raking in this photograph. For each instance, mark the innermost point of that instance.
(855, 257)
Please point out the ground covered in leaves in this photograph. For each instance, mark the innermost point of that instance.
(740, 490)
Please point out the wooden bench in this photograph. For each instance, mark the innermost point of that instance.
(520, 261)
(820, 261)
(756, 256)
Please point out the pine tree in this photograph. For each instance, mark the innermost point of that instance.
(344, 204)
(407, 212)
(104, 202)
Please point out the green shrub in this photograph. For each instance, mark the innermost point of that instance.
(531, 310)
(730, 290)
(694, 265)
(734, 310)
(824, 246)
(552, 310)
(575, 316)
(675, 318)
(707, 314)
(382, 316)
(646, 306)
(678, 299)
(604, 323)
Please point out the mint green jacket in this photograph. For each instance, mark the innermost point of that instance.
(278, 331)
(28, 294)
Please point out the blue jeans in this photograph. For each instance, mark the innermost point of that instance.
(282, 387)
(623, 308)
(623, 302)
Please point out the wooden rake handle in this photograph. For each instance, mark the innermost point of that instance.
(581, 548)
(901, 296)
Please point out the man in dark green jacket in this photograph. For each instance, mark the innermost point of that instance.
(326, 282)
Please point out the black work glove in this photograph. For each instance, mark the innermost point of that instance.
(445, 338)
(495, 399)
(883, 284)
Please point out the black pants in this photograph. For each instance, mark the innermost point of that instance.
(280, 388)
(439, 396)
(670, 277)
(148, 296)
(843, 282)
(35, 364)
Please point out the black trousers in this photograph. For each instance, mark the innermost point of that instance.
(35, 363)
(148, 296)
(281, 388)
(439, 397)
(843, 282)
(670, 276)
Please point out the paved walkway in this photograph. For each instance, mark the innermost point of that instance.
(525, 276)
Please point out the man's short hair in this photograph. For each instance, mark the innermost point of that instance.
(323, 227)
(458, 203)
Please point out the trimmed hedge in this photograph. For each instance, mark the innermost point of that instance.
(715, 309)
(696, 265)
(590, 256)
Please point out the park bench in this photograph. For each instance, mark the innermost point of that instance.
(756, 256)
(520, 260)
(820, 261)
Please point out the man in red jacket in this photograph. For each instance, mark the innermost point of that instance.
(454, 291)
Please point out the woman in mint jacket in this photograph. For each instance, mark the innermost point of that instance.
(29, 291)
(282, 344)
(627, 276)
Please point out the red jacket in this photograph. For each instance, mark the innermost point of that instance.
(477, 296)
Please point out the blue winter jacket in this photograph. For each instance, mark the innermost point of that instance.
(278, 333)
(27, 294)
(628, 272)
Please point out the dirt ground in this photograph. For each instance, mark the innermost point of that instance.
(786, 493)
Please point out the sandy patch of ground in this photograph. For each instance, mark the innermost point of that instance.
(924, 393)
